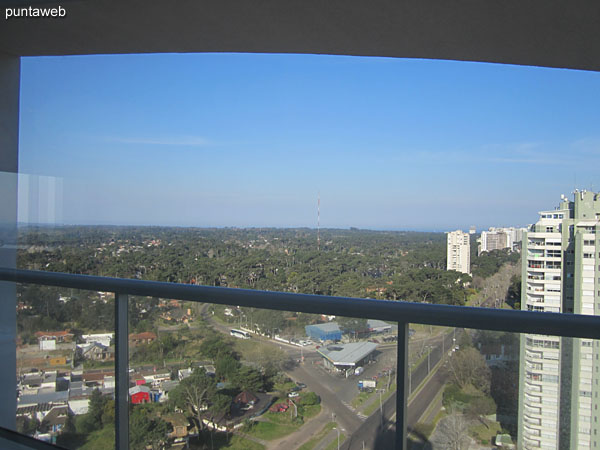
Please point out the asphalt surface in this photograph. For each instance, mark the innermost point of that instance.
(376, 432)
(380, 433)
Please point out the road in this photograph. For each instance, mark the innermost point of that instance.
(308, 374)
(336, 393)
(380, 433)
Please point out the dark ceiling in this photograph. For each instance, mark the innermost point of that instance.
(532, 32)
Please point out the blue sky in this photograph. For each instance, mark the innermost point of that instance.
(251, 140)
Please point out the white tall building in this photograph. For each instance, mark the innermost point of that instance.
(500, 238)
(558, 377)
(459, 252)
(495, 239)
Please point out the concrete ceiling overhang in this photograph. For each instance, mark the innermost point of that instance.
(548, 33)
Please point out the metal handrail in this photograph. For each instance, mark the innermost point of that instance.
(23, 441)
(404, 313)
(569, 325)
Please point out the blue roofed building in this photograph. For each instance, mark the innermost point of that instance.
(324, 331)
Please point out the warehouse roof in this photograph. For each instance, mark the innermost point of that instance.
(348, 354)
(329, 326)
(375, 323)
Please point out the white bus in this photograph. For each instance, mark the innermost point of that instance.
(239, 334)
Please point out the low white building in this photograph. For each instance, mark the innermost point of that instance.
(100, 338)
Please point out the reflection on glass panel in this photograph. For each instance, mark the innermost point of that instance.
(464, 387)
(222, 375)
(65, 365)
(558, 396)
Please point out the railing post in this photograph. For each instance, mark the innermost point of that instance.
(402, 386)
(10, 78)
(121, 372)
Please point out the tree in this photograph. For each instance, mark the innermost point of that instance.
(96, 405)
(195, 394)
(310, 398)
(452, 432)
(146, 429)
(215, 346)
(352, 325)
(248, 379)
(28, 426)
(108, 415)
(513, 296)
(220, 404)
(227, 367)
(481, 406)
(91, 421)
(468, 367)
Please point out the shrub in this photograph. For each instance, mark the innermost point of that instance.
(310, 398)
(423, 429)
(453, 394)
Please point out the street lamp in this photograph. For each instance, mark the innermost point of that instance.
(381, 406)
(338, 435)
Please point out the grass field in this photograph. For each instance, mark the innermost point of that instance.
(269, 431)
(485, 432)
(334, 444)
(237, 443)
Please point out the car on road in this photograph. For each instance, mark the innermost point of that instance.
(293, 395)
(301, 385)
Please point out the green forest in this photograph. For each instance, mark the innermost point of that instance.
(402, 266)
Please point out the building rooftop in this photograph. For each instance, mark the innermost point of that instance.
(329, 326)
(347, 354)
(46, 397)
(375, 323)
(136, 389)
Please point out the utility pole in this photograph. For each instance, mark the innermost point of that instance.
(319, 222)
(381, 406)
(429, 359)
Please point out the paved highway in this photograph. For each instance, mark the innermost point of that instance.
(375, 431)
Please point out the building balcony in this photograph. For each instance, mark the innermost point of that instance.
(402, 313)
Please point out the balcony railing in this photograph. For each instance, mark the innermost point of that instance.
(404, 313)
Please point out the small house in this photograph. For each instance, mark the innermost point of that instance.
(146, 337)
(139, 394)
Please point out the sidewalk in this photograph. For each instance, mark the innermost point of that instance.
(251, 438)
(328, 439)
(305, 433)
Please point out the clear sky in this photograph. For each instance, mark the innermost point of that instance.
(251, 140)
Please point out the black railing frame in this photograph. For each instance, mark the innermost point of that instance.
(404, 313)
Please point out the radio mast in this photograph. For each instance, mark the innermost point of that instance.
(319, 221)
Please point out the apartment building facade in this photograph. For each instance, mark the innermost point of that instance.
(494, 240)
(499, 239)
(558, 379)
(459, 252)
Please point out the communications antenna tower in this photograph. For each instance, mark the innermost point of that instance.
(319, 221)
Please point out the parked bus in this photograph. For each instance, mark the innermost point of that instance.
(240, 334)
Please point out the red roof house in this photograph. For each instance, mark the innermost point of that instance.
(142, 338)
(245, 398)
(139, 394)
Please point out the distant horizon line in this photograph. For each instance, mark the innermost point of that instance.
(250, 227)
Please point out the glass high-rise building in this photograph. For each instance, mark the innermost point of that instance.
(558, 388)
